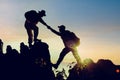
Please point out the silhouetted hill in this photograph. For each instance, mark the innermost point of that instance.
(35, 64)
(102, 70)
(29, 64)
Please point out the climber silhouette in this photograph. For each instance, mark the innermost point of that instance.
(32, 18)
(70, 40)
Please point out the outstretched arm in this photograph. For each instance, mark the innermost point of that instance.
(54, 31)
(43, 22)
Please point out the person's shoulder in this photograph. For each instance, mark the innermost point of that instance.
(68, 31)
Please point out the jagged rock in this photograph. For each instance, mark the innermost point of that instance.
(34, 65)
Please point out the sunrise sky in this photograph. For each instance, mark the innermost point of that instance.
(96, 22)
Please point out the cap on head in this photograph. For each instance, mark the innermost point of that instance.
(61, 27)
(42, 12)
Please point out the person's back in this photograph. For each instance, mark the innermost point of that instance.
(70, 39)
(32, 16)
